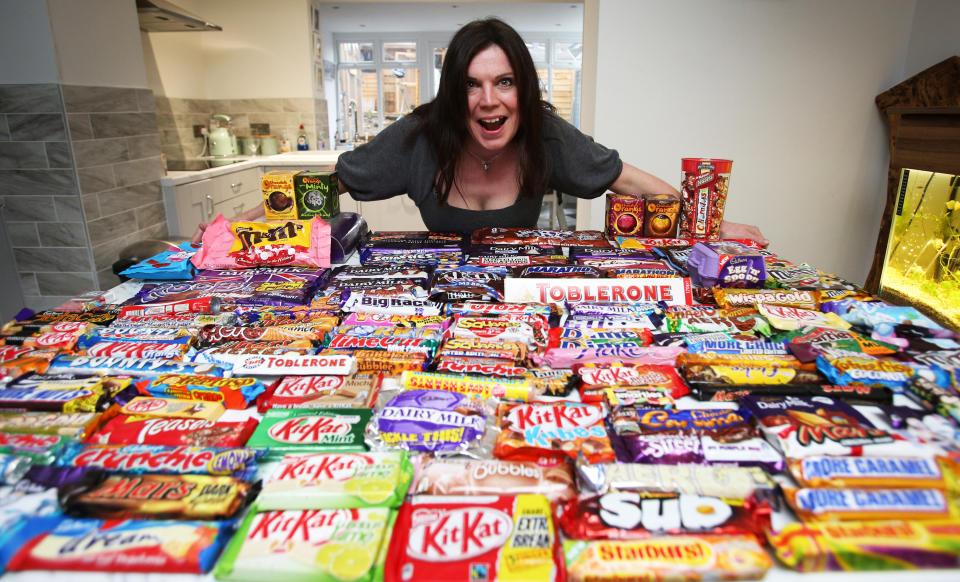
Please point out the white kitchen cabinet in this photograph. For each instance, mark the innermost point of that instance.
(397, 213)
(191, 203)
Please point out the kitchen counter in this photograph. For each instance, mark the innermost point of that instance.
(291, 160)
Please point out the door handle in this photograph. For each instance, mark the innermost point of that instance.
(210, 210)
(236, 187)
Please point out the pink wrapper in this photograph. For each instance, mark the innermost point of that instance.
(558, 358)
(241, 245)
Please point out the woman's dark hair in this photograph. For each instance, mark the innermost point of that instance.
(444, 120)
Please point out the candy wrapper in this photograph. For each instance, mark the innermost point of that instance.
(634, 514)
(477, 386)
(667, 559)
(868, 545)
(118, 366)
(550, 433)
(158, 497)
(232, 393)
(124, 429)
(77, 424)
(173, 408)
(337, 480)
(494, 477)
(357, 391)
(282, 432)
(434, 421)
(827, 504)
(187, 547)
(41, 449)
(726, 264)
(229, 245)
(135, 459)
(596, 378)
(455, 538)
(713, 481)
(314, 545)
(173, 263)
(876, 472)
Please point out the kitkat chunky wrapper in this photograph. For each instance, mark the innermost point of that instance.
(299, 243)
(489, 538)
(309, 545)
(337, 480)
(667, 559)
(148, 546)
(857, 546)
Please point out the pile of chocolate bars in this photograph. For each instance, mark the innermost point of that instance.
(519, 405)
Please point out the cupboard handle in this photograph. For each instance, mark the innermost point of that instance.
(236, 187)
(210, 211)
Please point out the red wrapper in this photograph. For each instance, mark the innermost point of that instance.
(550, 433)
(704, 191)
(194, 306)
(123, 429)
(635, 514)
(596, 378)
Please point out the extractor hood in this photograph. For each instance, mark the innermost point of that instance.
(161, 16)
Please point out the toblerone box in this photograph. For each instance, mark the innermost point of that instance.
(279, 196)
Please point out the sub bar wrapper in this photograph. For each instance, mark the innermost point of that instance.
(474, 538)
(188, 547)
(312, 545)
(673, 558)
(868, 545)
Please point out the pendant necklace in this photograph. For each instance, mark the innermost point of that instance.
(485, 164)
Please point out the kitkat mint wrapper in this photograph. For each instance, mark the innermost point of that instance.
(282, 432)
(311, 545)
(868, 545)
(484, 537)
(335, 480)
(429, 421)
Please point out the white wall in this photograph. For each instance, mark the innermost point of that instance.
(934, 36)
(26, 43)
(785, 89)
(263, 51)
(97, 42)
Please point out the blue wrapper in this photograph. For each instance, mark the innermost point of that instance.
(865, 371)
(738, 347)
(106, 366)
(132, 334)
(172, 264)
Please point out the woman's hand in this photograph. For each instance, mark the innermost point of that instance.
(198, 234)
(748, 231)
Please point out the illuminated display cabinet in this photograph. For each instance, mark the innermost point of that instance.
(917, 256)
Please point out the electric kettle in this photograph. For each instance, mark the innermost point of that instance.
(221, 139)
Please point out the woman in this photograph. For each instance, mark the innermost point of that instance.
(484, 152)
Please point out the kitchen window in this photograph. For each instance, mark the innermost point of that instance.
(382, 77)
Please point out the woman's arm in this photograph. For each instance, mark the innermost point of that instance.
(633, 180)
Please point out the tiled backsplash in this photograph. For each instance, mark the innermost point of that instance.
(176, 118)
(80, 179)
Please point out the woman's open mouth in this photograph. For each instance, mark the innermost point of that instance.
(492, 123)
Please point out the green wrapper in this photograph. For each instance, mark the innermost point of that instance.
(283, 432)
(335, 480)
(314, 545)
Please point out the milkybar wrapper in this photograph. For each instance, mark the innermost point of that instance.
(157, 497)
(716, 481)
(494, 477)
(827, 504)
(311, 545)
(868, 545)
(337, 480)
(478, 386)
(295, 365)
(667, 559)
(439, 538)
(148, 546)
(173, 408)
(876, 472)
(357, 391)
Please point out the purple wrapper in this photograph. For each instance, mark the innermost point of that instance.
(770, 410)
(41, 477)
(346, 230)
(254, 292)
(430, 421)
(512, 250)
(263, 275)
(726, 264)
(663, 449)
(577, 253)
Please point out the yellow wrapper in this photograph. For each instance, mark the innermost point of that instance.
(479, 386)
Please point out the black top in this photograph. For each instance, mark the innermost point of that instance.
(388, 166)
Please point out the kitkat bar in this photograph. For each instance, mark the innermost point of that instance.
(357, 391)
(457, 538)
(282, 432)
(551, 433)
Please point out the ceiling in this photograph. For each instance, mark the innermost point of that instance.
(434, 16)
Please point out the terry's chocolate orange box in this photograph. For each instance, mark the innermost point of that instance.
(279, 198)
(660, 212)
(624, 215)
